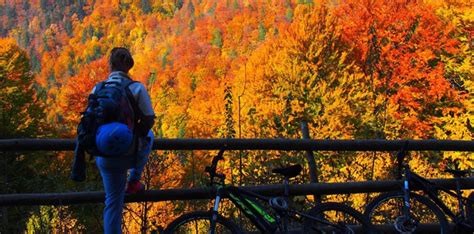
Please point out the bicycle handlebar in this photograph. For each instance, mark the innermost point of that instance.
(400, 156)
(212, 169)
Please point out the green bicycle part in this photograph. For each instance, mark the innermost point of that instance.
(262, 212)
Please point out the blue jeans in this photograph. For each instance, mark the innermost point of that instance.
(114, 177)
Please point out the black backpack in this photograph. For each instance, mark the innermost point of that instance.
(112, 101)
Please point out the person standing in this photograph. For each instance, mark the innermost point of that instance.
(127, 149)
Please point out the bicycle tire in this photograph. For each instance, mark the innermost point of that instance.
(384, 212)
(348, 220)
(182, 224)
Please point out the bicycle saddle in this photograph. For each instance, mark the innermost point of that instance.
(289, 172)
(457, 173)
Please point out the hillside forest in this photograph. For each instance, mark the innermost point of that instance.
(351, 69)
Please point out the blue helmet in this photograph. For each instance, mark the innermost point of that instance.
(113, 139)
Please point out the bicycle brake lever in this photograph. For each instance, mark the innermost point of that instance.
(212, 169)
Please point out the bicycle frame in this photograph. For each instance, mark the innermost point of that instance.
(259, 216)
(245, 201)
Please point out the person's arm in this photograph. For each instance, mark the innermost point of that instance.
(147, 115)
(145, 124)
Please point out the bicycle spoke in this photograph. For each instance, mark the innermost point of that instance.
(386, 214)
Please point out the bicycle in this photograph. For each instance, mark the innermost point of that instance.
(407, 212)
(324, 218)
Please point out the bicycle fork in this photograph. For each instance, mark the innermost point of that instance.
(406, 223)
(286, 195)
(215, 211)
(406, 197)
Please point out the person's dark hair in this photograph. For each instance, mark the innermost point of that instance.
(120, 59)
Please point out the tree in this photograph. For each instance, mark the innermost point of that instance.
(310, 53)
(404, 47)
(399, 44)
(21, 115)
(457, 122)
(305, 73)
(217, 38)
(261, 32)
(146, 7)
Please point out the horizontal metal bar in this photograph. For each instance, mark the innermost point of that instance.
(256, 144)
(207, 193)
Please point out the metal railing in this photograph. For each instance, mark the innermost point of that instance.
(237, 144)
(257, 144)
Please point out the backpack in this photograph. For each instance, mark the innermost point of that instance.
(112, 101)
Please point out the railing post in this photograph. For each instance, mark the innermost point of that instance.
(313, 168)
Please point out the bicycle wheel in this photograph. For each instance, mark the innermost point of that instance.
(385, 213)
(343, 219)
(198, 222)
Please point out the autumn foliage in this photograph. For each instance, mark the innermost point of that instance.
(352, 69)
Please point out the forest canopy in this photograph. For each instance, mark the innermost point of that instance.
(351, 69)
